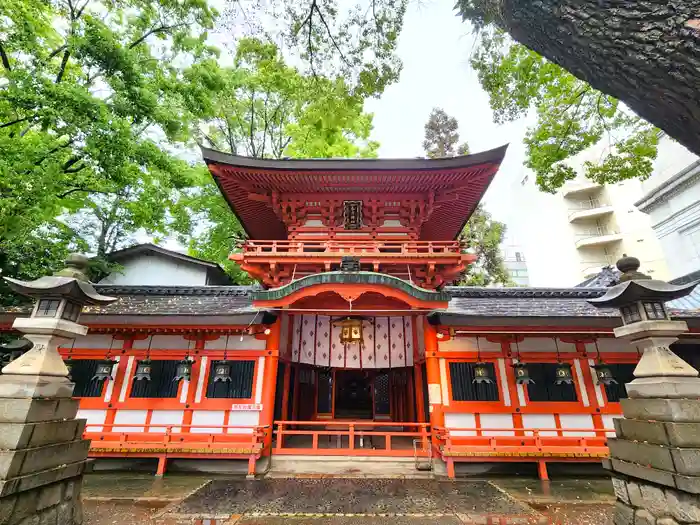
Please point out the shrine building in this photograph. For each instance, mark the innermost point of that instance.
(355, 342)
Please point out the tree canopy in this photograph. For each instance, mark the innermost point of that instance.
(102, 101)
(481, 233)
(645, 55)
(272, 110)
(571, 116)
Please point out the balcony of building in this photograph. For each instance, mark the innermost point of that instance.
(598, 236)
(278, 262)
(591, 208)
(580, 188)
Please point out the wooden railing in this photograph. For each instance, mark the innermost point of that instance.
(536, 445)
(339, 248)
(199, 441)
(333, 438)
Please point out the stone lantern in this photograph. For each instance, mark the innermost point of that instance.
(53, 322)
(647, 325)
(42, 450)
(654, 455)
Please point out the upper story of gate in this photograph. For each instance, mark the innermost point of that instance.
(401, 217)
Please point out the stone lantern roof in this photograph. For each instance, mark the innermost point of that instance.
(69, 283)
(635, 286)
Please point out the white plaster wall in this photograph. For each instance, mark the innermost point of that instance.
(95, 341)
(163, 342)
(166, 417)
(243, 418)
(608, 423)
(207, 417)
(157, 270)
(576, 421)
(461, 420)
(540, 421)
(93, 417)
(497, 421)
(127, 417)
(234, 342)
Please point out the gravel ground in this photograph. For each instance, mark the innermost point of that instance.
(105, 513)
(359, 496)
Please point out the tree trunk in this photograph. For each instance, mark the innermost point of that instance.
(643, 52)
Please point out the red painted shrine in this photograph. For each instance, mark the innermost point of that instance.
(356, 342)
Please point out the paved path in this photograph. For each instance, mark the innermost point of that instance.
(190, 500)
(267, 501)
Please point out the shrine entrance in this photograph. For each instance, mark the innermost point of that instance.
(354, 397)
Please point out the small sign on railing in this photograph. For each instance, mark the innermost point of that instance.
(256, 407)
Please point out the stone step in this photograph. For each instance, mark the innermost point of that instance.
(345, 466)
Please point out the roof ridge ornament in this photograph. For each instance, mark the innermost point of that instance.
(629, 266)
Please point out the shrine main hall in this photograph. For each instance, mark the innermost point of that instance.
(355, 341)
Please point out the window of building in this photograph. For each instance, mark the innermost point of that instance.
(71, 311)
(161, 384)
(47, 307)
(464, 388)
(544, 387)
(623, 374)
(240, 386)
(654, 311)
(519, 257)
(630, 314)
(82, 371)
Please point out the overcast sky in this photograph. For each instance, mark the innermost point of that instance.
(435, 46)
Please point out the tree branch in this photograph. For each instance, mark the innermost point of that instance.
(57, 51)
(14, 122)
(62, 68)
(252, 122)
(4, 58)
(330, 35)
(86, 190)
(159, 29)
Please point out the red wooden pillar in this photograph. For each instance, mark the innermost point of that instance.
(285, 396)
(270, 380)
(437, 416)
(418, 381)
(119, 378)
(199, 343)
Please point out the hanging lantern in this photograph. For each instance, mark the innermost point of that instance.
(103, 371)
(183, 370)
(563, 374)
(604, 375)
(143, 371)
(222, 372)
(350, 331)
(482, 374)
(522, 374)
(69, 365)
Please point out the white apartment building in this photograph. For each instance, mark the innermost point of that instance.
(514, 261)
(569, 236)
(671, 198)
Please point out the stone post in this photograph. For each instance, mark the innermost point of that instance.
(655, 457)
(42, 453)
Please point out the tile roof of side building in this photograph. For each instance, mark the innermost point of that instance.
(466, 301)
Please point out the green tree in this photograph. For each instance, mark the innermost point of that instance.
(481, 233)
(571, 116)
(442, 136)
(92, 93)
(644, 54)
(271, 110)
